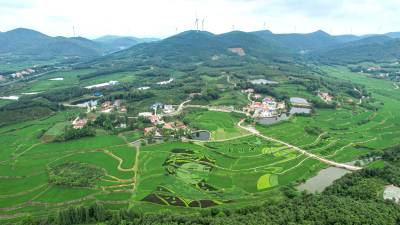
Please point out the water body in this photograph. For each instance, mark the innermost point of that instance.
(323, 179)
(272, 120)
(201, 135)
(263, 81)
(299, 110)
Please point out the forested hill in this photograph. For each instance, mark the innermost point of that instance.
(195, 45)
(32, 43)
(374, 49)
(265, 45)
(298, 42)
(116, 43)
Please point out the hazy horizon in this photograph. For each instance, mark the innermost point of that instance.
(93, 19)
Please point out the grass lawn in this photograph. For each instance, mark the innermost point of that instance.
(221, 125)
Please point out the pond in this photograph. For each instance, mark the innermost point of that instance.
(323, 179)
(201, 135)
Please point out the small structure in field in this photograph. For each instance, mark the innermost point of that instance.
(325, 96)
(79, 123)
(148, 130)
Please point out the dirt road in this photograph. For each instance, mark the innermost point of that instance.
(321, 159)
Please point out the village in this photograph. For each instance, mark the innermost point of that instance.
(266, 107)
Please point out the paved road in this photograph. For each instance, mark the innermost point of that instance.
(326, 161)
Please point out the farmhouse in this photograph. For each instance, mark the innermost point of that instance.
(325, 96)
(148, 130)
(79, 123)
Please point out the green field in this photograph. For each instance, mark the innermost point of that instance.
(221, 125)
(231, 170)
(24, 159)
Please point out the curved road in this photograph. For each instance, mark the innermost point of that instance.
(311, 155)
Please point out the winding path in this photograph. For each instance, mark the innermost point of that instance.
(311, 155)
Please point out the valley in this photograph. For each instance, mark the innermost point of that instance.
(199, 125)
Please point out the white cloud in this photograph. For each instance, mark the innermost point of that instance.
(160, 18)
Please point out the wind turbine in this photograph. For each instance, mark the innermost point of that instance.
(196, 23)
(202, 24)
(73, 31)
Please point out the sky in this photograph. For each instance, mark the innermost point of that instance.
(163, 18)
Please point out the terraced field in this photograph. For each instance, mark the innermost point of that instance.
(346, 132)
(235, 168)
(213, 173)
(25, 160)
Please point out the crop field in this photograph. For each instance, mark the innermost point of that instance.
(71, 78)
(45, 84)
(346, 132)
(214, 173)
(235, 168)
(26, 159)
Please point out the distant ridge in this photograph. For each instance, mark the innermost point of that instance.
(199, 45)
(28, 42)
(117, 43)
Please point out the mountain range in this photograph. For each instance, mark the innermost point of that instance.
(28, 42)
(197, 45)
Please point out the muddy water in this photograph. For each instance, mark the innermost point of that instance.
(323, 179)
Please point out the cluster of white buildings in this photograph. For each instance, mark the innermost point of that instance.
(109, 106)
(22, 73)
(268, 107)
